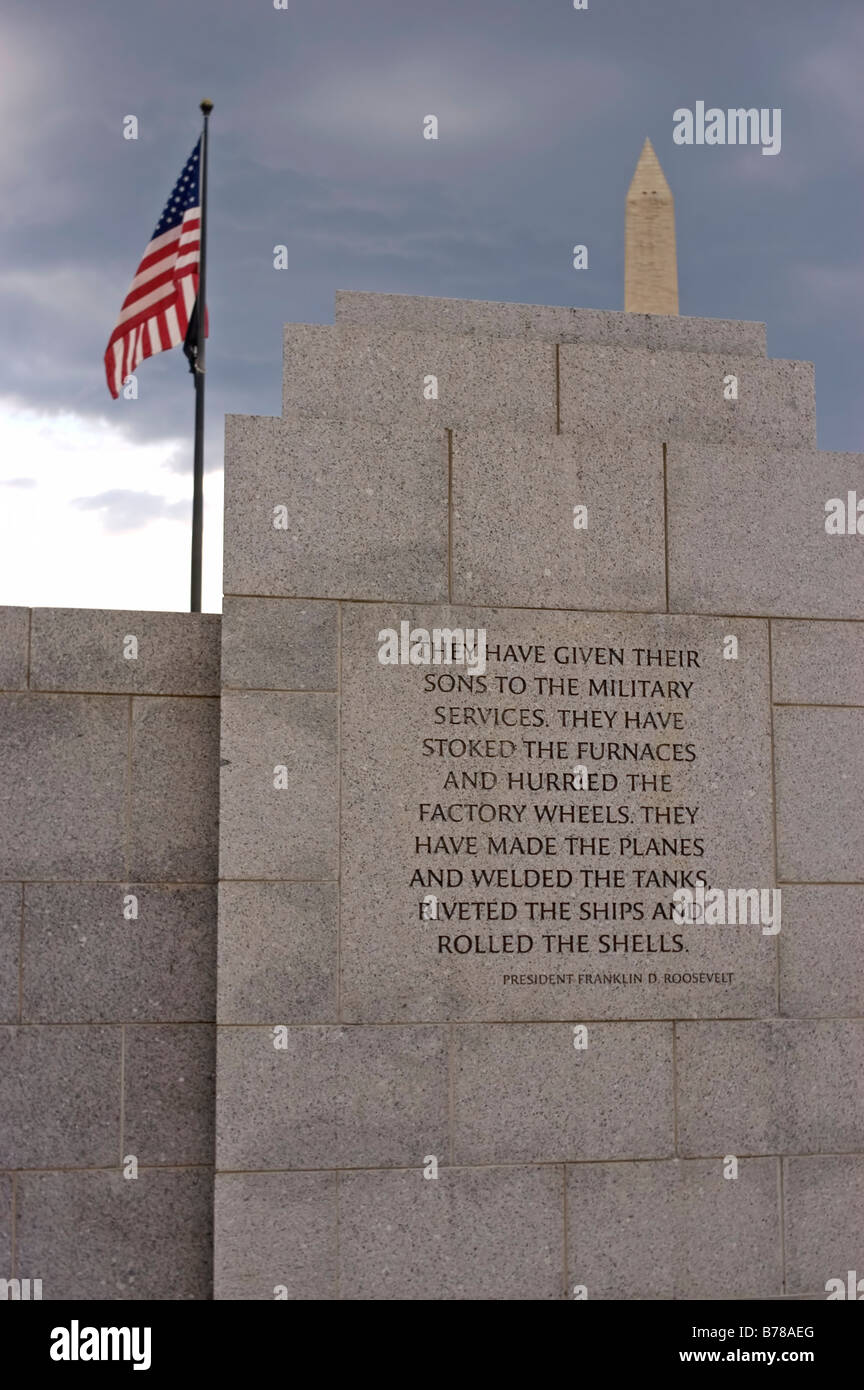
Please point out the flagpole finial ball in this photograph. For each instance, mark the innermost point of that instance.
(206, 106)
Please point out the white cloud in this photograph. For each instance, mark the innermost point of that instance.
(126, 546)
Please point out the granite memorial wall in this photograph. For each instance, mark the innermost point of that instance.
(541, 836)
(540, 842)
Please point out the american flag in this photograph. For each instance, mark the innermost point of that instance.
(156, 311)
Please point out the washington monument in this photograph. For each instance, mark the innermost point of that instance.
(651, 267)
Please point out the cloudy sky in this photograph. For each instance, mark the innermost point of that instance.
(317, 144)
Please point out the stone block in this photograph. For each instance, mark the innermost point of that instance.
(169, 1082)
(88, 649)
(514, 539)
(332, 1098)
(747, 531)
(550, 323)
(63, 793)
(684, 333)
(679, 396)
(279, 644)
(818, 663)
(99, 1236)
(674, 1230)
(279, 831)
(14, 644)
(84, 961)
(824, 1220)
(382, 375)
(472, 1234)
(785, 1086)
(10, 949)
(276, 1230)
(522, 1092)
(819, 770)
(394, 965)
(822, 951)
(365, 509)
(59, 1097)
(278, 952)
(175, 780)
(6, 1226)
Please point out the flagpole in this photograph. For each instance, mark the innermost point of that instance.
(198, 479)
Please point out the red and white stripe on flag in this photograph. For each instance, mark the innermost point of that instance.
(157, 309)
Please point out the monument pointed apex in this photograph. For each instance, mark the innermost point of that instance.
(648, 177)
(651, 271)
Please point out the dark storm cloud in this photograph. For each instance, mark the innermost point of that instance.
(317, 145)
(125, 510)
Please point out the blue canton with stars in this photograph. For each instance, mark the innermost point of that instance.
(184, 194)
